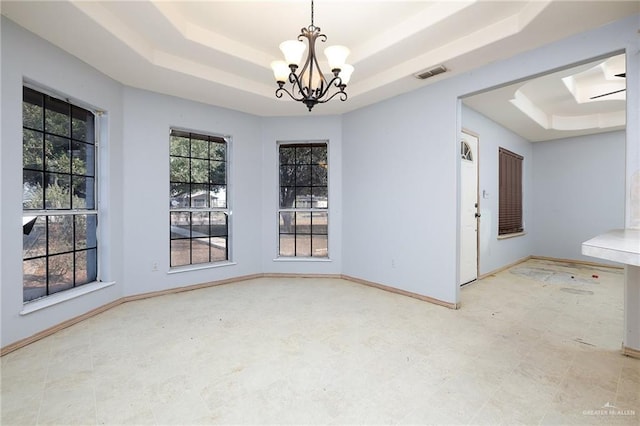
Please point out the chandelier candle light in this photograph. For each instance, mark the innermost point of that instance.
(310, 86)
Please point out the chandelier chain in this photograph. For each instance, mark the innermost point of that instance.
(312, 13)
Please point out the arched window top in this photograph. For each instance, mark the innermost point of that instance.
(465, 151)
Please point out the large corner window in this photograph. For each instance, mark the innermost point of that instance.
(302, 214)
(510, 193)
(199, 216)
(60, 219)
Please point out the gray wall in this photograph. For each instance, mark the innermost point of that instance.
(578, 192)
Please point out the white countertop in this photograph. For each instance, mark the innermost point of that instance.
(618, 245)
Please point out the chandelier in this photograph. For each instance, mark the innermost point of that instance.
(310, 86)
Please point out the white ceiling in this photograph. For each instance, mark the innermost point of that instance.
(218, 52)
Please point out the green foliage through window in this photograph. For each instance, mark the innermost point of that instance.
(59, 174)
(198, 198)
(303, 217)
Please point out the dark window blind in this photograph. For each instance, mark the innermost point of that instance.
(510, 184)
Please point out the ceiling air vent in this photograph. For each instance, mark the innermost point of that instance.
(430, 73)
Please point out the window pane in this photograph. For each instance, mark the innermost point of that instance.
(83, 159)
(82, 124)
(32, 149)
(179, 193)
(303, 223)
(85, 232)
(86, 266)
(57, 150)
(303, 175)
(287, 175)
(180, 252)
(56, 116)
(200, 196)
(319, 154)
(218, 151)
(287, 155)
(60, 234)
(57, 193)
(219, 224)
(199, 147)
(32, 195)
(303, 245)
(83, 193)
(319, 246)
(319, 175)
(179, 145)
(179, 169)
(219, 196)
(35, 242)
(60, 271)
(200, 250)
(199, 171)
(200, 224)
(287, 222)
(319, 197)
(34, 278)
(217, 172)
(219, 249)
(287, 245)
(180, 225)
(303, 197)
(319, 220)
(287, 197)
(303, 155)
(32, 109)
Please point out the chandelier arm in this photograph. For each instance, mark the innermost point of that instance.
(279, 91)
(296, 84)
(334, 82)
(343, 97)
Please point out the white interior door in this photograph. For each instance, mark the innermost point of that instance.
(468, 208)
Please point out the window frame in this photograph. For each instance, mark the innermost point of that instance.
(47, 215)
(311, 210)
(510, 193)
(191, 209)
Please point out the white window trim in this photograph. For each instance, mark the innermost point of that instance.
(63, 296)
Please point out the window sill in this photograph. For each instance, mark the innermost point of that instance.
(189, 268)
(302, 259)
(507, 236)
(63, 296)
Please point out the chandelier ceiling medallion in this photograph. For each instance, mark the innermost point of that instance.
(310, 86)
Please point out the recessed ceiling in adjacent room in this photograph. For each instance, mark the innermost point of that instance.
(582, 100)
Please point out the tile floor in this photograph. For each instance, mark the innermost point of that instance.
(536, 344)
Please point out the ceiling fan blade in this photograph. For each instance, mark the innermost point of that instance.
(607, 94)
